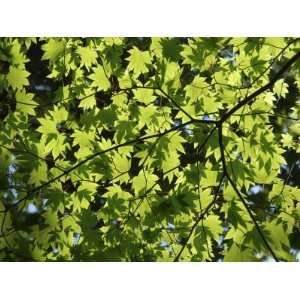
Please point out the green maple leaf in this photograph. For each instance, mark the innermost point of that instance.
(148, 114)
(56, 145)
(48, 126)
(89, 100)
(144, 95)
(59, 114)
(277, 235)
(269, 98)
(281, 88)
(143, 181)
(214, 226)
(18, 57)
(25, 103)
(53, 49)
(17, 78)
(276, 41)
(236, 253)
(211, 104)
(193, 54)
(99, 78)
(82, 138)
(195, 89)
(88, 56)
(87, 103)
(138, 61)
(287, 140)
(171, 48)
(121, 163)
(39, 174)
(209, 178)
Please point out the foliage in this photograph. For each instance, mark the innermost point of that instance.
(139, 149)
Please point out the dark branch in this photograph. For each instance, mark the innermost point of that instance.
(66, 172)
(200, 217)
(251, 97)
(223, 160)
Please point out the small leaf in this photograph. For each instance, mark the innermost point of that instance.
(143, 181)
(25, 103)
(53, 49)
(88, 56)
(138, 61)
(144, 95)
(17, 78)
(99, 78)
(287, 140)
(280, 88)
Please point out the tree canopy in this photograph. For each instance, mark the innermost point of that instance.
(149, 149)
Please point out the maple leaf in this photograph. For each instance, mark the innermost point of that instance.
(17, 78)
(53, 49)
(99, 78)
(138, 61)
(88, 56)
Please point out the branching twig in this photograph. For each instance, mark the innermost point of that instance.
(66, 172)
(224, 165)
(200, 217)
(251, 97)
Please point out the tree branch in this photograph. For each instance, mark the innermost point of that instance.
(223, 160)
(200, 217)
(249, 98)
(66, 172)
